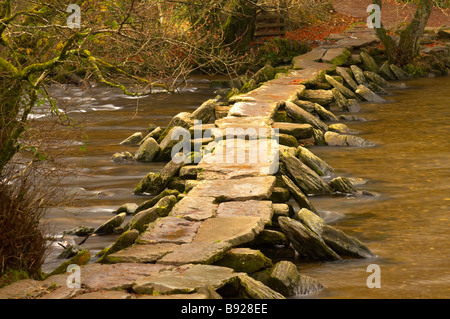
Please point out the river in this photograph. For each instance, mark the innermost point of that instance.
(405, 224)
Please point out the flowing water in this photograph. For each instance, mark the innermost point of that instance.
(405, 224)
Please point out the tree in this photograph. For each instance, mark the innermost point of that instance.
(403, 52)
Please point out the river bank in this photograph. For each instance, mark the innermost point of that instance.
(290, 82)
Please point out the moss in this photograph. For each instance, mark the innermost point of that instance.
(82, 258)
(11, 275)
(342, 58)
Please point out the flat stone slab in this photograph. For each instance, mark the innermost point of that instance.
(236, 190)
(237, 158)
(304, 61)
(109, 277)
(169, 230)
(141, 253)
(243, 122)
(261, 209)
(358, 39)
(258, 108)
(184, 279)
(195, 208)
(196, 253)
(233, 230)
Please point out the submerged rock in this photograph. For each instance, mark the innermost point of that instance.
(336, 139)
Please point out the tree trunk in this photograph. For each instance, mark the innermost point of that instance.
(239, 27)
(408, 47)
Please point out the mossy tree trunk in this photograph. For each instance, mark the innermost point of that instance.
(239, 28)
(407, 49)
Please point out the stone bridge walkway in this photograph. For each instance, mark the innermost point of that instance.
(230, 204)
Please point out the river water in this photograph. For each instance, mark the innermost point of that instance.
(405, 224)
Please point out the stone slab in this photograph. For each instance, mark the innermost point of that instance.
(261, 209)
(259, 108)
(234, 230)
(247, 188)
(196, 253)
(169, 230)
(195, 208)
(141, 253)
(184, 279)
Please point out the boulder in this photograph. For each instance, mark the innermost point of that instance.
(151, 202)
(125, 240)
(250, 288)
(266, 73)
(81, 258)
(204, 112)
(188, 172)
(341, 129)
(346, 92)
(386, 72)
(134, 139)
(369, 63)
(287, 140)
(285, 279)
(122, 157)
(368, 95)
(145, 217)
(375, 78)
(154, 134)
(128, 208)
(298, 195)
(244, 260)
(343, 104)
(301, 116)
(174, 136)
(399, 73)
(314, 162)
(280, 195)
(319, 137)
(299, 131)
(148, 151)
(108, 226)
(269, 237)
(335, 139)
(80, 231)
(359, 75)
(304, 177)
(305, 242)
(322, 97)
(342, 185)
(347, 77)
(324, 114)
(338, 241)
(336, 56)
(154, 184)
(183, 119)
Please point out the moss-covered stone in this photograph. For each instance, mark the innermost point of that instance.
(125, 240)
(244, 260)
(81, 258)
